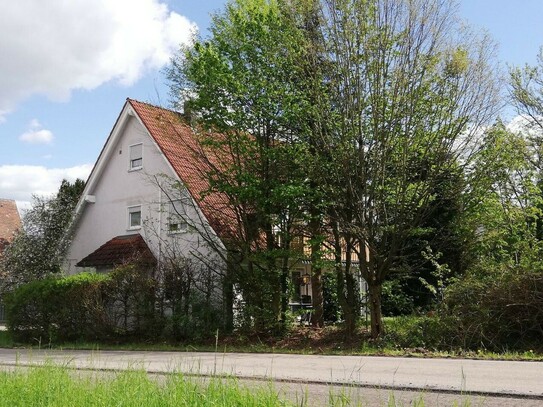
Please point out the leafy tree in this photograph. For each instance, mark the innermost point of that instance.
(242, 83)
(526, 89)
(38, 249)
(411, 93)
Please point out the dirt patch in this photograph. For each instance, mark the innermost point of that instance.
(326, 340)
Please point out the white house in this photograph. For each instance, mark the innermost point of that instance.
(146, 196)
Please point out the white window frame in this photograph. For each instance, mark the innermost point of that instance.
(181, 225)
(130, 160)
(130, 210)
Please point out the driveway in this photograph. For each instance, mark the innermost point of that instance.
(452, 376)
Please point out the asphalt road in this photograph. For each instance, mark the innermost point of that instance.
(475, 378)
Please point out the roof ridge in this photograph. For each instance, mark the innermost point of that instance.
(153, 105)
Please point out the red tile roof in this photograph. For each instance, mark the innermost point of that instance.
(10, 221)
(179, 144)
(119, 250)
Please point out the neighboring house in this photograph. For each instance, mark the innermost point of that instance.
(145, 197)
(10, 222)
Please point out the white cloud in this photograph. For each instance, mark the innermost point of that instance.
(20, 182)
(36, 135)
(53, 47)
(525, 125)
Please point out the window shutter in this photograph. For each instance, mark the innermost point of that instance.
(136, 152)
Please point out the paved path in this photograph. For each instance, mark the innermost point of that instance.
(523, 379)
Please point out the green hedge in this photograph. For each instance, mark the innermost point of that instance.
(58, 309)
(124, 305)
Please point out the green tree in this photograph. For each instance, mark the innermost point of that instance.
(242, 83)
(412, 91)
(37, 250)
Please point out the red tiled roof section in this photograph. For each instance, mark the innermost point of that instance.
(10, 222)
(119, 250)
(180, 146)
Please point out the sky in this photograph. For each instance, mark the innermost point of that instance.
(67, 67)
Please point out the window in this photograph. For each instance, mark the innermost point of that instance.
(176, 220)
(136, 156)
(134, 217)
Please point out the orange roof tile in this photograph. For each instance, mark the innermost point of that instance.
(119, 250)
(10, 221)
(180, 146)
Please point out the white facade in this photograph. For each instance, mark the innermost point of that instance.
(122, 183)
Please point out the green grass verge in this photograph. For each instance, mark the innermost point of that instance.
(406, 336)
(59, 386)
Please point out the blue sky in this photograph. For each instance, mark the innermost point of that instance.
(66, 69)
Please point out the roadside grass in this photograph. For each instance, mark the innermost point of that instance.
(59, 386)
(404, 338)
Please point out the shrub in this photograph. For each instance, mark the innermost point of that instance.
(428, 332)
(126, 304)
(130, 302)
(58, 308)
(499, 310)
(395, 300)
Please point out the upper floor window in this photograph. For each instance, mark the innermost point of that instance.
(134, 217)
(136, 156)
(176, 217)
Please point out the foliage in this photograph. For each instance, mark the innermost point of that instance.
(57, 309)
(332, 312)
(243, 83)
(526, 88)
(38, 249)
(124, 304)
(130, 301)
(53, 385)
(351, 121)
(498, 307)
(423, 332)
(411, 92)
(396, 300)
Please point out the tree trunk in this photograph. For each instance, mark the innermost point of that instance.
(284, 290)
(317, 319)
(343, 289)
(377, 328)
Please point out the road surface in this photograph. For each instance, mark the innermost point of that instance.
(475, 378)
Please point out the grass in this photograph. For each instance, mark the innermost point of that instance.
(303, 340)
(54, 385)
(59, 386)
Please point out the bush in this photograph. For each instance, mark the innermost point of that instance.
(428, 332)
(499, 310)
(125, 304)
(131, 303)
(395, 300)
(58, 309)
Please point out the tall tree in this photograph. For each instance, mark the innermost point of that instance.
(242, 85)
(38, 249)
(412, 92)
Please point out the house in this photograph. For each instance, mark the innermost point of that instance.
(10, 222)
(148, 198)
(145, 198)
